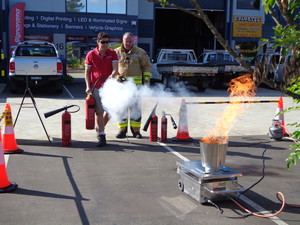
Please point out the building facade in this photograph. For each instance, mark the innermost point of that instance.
(74, 24)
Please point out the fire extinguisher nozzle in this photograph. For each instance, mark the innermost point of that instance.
(173, 123)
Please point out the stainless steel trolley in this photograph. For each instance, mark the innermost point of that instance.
(209, 179)
(201, 185)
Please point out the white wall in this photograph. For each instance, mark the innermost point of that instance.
(41, 5)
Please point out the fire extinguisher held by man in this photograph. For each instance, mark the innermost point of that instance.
(100, 63)
(133, 63)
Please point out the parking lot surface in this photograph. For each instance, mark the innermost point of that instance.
(134, 181)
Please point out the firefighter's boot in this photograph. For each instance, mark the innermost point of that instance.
(122, 133)
(136, 132)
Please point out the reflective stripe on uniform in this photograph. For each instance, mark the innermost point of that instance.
(123, 124)
(147, 76)
(136, 79)
(134, 123)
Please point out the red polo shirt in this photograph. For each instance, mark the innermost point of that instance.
(101, 65)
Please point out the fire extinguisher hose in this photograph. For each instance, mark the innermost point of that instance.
(94, 86)
(53, 112)
(173, 121)
(74, 111)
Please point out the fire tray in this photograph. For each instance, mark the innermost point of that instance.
(201, 186)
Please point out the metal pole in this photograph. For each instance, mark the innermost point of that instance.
(232, 102)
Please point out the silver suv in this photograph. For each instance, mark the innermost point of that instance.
(35, 63)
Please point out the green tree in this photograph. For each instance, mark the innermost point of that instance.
(286, 37)
(74, 5)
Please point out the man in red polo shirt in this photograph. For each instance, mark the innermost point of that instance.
(100, 64)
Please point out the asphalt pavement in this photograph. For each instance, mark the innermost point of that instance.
(135, 181)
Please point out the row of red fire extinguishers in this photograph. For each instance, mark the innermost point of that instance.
(66, 117)
(90, 121)
(152, 120)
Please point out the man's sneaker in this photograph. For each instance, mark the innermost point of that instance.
(121, 134)
(102, 140)
(137, 134)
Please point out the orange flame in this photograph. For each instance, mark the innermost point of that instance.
(242, 88)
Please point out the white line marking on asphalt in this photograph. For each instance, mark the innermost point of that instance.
(260, 209)
(6, 157)
(173, 151)
(68, 91)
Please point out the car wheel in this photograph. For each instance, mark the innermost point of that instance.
(200, 85)
(216, 82)
(201, 88)
(165, 82)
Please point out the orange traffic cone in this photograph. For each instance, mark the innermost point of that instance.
(281, 116)
(8, 136)
(5, 184)
(182, 132)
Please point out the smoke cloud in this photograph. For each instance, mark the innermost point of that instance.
(118, 97)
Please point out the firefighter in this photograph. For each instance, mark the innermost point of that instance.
(133, 63)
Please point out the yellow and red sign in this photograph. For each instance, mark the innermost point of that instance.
(247, 26)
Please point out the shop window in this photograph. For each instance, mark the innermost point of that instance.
(76, 5)
(97, 6)
(117, 6)
(248, 4)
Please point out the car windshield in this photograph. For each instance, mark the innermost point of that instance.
(220, 57)
(44, 51)
(171, 57)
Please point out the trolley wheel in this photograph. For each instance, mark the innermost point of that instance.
(180, 185)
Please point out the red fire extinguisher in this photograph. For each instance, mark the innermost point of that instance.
(65, 122)
(163, 127)
(66, 128)
(90, 105)
(153, 128)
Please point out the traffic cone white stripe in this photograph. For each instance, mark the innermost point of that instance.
(182, 132)
(8, 130)
(281, 116)
(2, 161)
